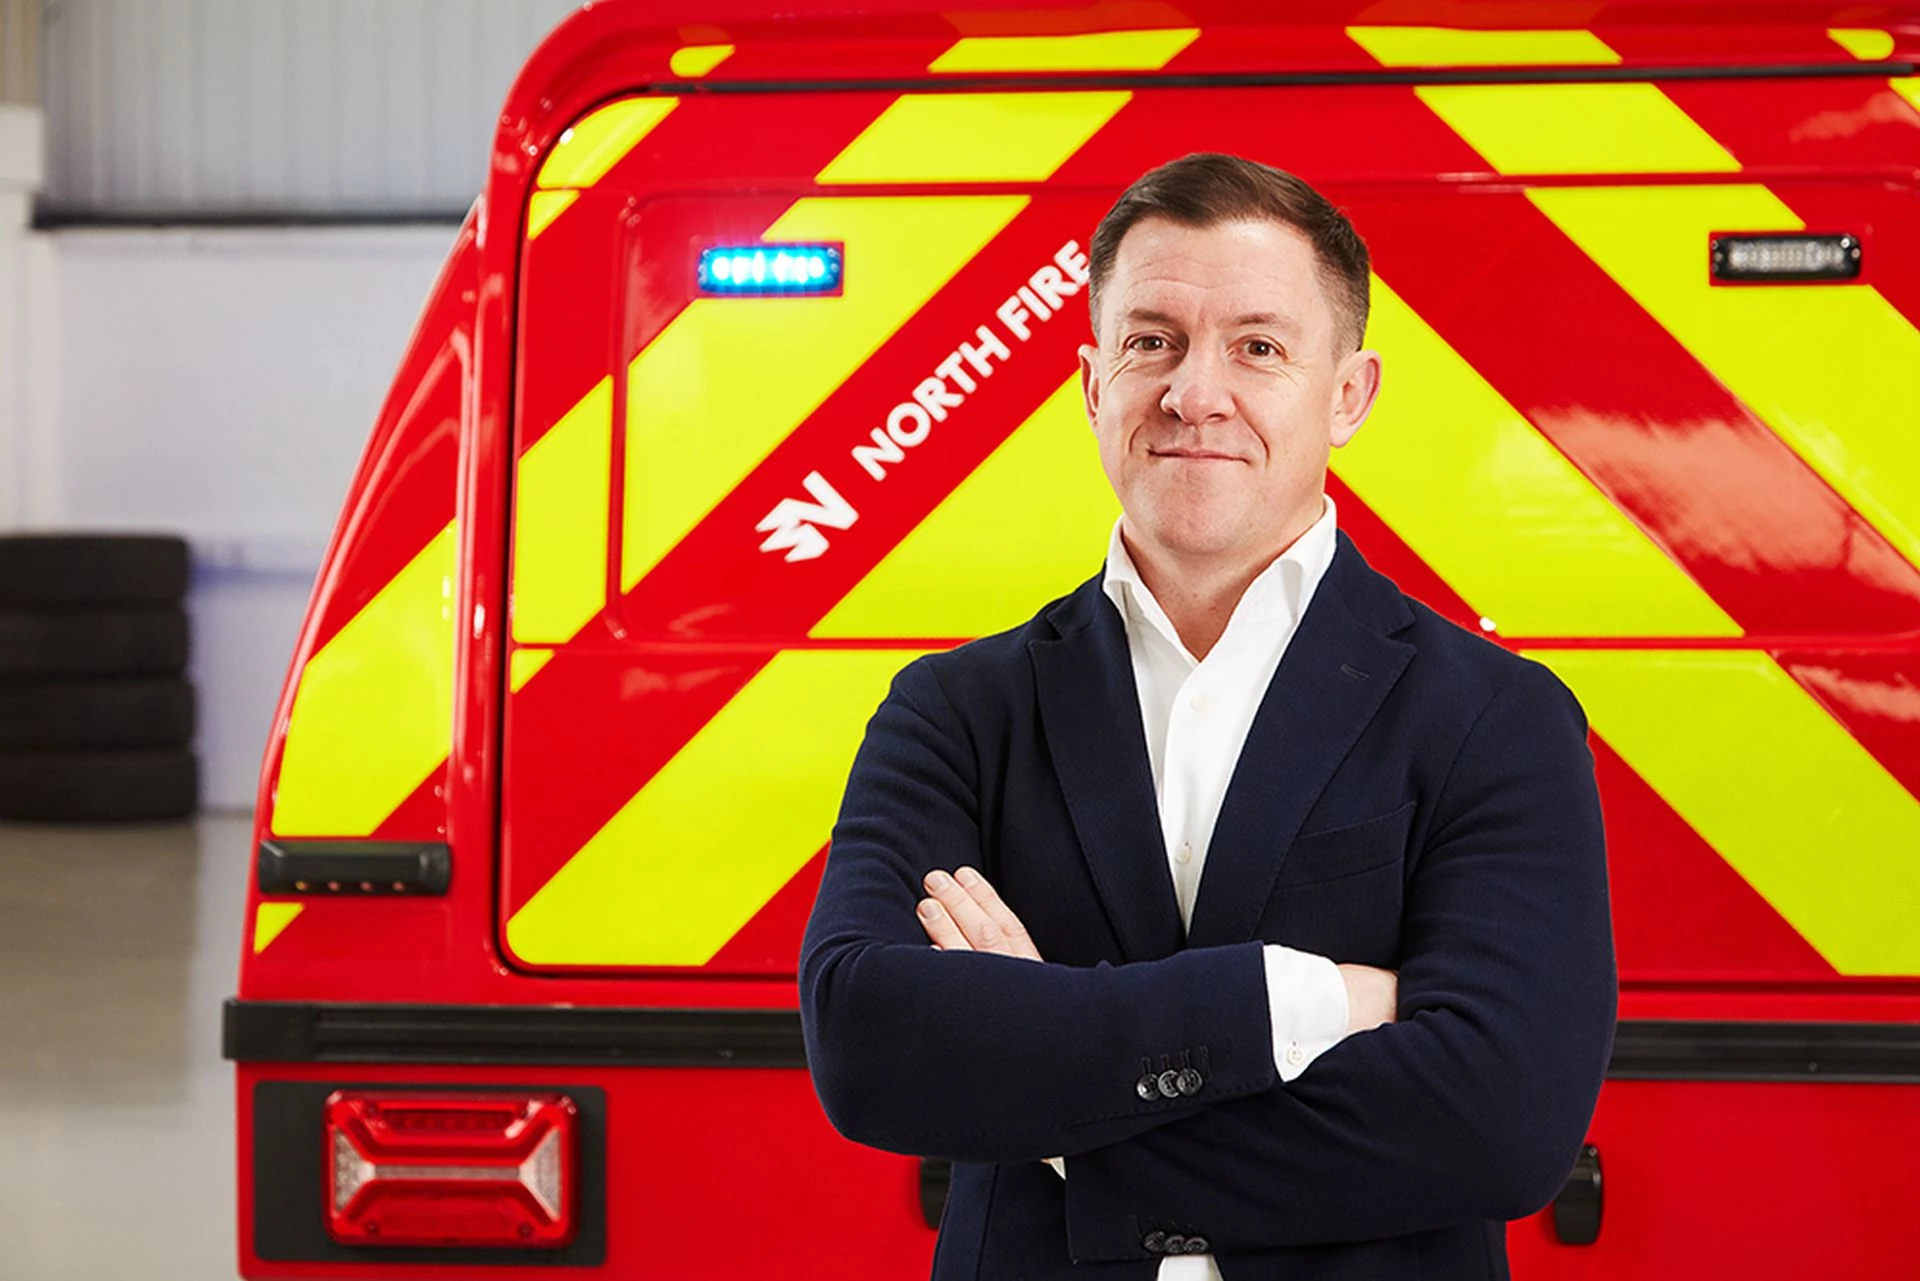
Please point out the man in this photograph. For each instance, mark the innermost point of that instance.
(1268, 909)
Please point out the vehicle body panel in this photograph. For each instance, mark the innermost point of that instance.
(565, 630)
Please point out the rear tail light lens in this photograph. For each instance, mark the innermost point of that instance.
(452, 1169)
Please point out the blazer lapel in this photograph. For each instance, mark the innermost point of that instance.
(1090, 713)
(1336, 673)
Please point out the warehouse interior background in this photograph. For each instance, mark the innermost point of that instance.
(218, 221)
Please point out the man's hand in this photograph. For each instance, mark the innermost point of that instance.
(1373, 996)
(965, 914)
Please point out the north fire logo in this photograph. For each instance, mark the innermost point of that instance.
(792, 526)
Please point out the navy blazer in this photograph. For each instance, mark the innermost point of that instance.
(1409, 796)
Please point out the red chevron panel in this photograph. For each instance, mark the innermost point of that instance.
(1768, 539)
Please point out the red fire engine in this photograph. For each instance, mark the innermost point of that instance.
(751, 376)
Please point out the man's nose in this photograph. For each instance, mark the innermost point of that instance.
(1198, 392)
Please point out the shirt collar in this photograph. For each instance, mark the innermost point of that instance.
(1278, 596)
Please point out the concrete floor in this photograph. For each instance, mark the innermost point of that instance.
(117, 946)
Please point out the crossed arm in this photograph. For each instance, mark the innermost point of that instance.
(964, 913)
(1469, 1107)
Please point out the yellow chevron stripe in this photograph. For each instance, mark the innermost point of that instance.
(1830, 368)
(269, 919)
(696, 60)
(1868, 44)
(1786, 795)
(544, 207)
(972, 137)
(1498, 511)
(1451, 47)
(1577, 128)
(1096, 51)
(1909, 89)
(594, 145)
(1028, 525)
(561, 500)
(373, 714)
(1792, 801)
(730, 378)
(523, 665)
(686, 863)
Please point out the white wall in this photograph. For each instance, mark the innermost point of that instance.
(300, 106)
(219, 385)
(20, 175)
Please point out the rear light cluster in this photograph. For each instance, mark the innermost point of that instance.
(452, 1169)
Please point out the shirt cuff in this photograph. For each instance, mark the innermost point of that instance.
(1307, 1002)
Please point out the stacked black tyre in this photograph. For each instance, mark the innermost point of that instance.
(96, 715)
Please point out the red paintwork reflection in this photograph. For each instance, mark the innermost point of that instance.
(1709, 482)
(1875, 694)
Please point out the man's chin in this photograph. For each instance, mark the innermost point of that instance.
(1199, 542)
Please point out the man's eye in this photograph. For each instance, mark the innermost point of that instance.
(1147, 342)
(1261, 348)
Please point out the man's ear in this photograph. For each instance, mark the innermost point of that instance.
(1354, 395)
(1090, 381)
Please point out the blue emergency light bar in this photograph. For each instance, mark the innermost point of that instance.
(762, 269)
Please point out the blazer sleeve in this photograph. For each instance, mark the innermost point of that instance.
(979, 1057)
(1473, 1105)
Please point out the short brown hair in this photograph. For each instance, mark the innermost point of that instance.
(1208, 188)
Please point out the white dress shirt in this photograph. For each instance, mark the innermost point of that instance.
(1197, 713)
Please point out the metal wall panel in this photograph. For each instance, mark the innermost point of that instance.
(20, 52)
(198, 108)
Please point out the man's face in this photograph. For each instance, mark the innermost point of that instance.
(1218, 385)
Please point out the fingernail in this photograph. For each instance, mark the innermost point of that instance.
(937, 880)
(929, 908)
(967, 876)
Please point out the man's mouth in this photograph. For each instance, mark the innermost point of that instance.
(1194, 455)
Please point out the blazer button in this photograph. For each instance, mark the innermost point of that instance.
(1147, 1087)
(1189, 1081)
(1169, 1084)
(1198, 1245)
(1154, 1243)
(1176, 1245)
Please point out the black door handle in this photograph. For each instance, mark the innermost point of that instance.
(936, 1177)
(1576, 1211)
